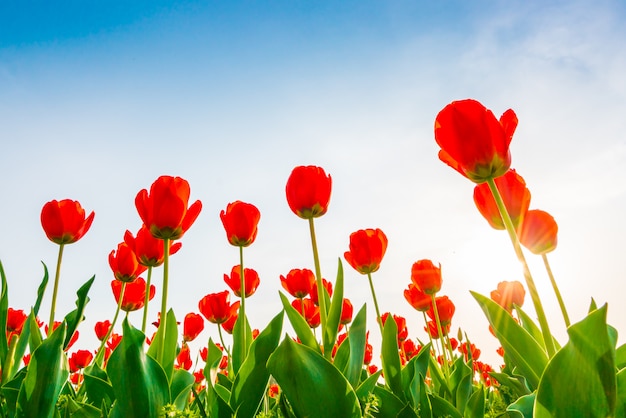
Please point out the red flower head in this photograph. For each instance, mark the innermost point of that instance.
(124, 263)
(15, 321)
(445, 309)
(308, 191)
(538, 232)
(229, 325)
(164, 211)
(473, 141)
(134, 294)
(508, 294)
(64, 221)
(431, 329)
(346, 312)
(417, 299)
(192, 326)
(515, 195)
(426, 276)
(367, 248)
(298, 282)
(148, 249)
(240, 221)
(403, 331)
(102, 328)
(251, 280)
(311, 311)
(79, 360)
(183, 359)
(313, 292)
(216, 307)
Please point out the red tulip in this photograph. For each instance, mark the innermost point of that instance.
(309, 310)
(15, 321)
(124, 263)
(308, 191)
(183, 359)
(79, 360)
(240, 221)
(148, 249)
(134, 294)
(515, 195)
(431, 329)
(426, 276)
(102, 328)
(346, 312)
(251, 280)
(64, 221)
(445, 309)
(328, 286)
(473, 141)
(538, 232)
(298, 282)
(367, 248)
(165, 209)
(403, 331)
(216, 307)
(508, 294)
(229, 324)
(193, 325)
(417, 299)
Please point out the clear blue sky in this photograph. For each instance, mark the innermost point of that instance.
(99, 99)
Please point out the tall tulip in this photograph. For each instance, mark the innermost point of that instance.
(515, 195)
(251, 281)
(426, 276)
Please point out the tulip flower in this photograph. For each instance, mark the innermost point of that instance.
(346, 312)
(367, 248)
(134, 294)
(124, 263)
(508, 294)
(216, 307)
(64, 221)
(193, 325)
(444, 309)
(403, 331)
(538, 232)
(79, 360)
(240, 221)
(308, 310)
(102, 329)
(473, 141)
(308, 191)
(229, 324)
(514, 193)
(148, 249)
(183, 359)
(417, 299)
(426, 276)
(298, 282)
(165, 209)
(15, 322)
(251, 281)
(328, 287)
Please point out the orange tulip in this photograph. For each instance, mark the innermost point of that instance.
(426, 276)
(538, 232)
(515, 195)
(508, 294)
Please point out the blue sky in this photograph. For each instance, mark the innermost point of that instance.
(99, 100)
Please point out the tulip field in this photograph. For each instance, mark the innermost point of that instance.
(314, 357)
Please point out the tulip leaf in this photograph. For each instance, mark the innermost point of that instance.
(620, 357)
(620, 405)
(213, 358)
(46, 374)
(443, 408)
(180, 388)
(217, 407)
(388, 404)
(461, 383)
(170, 349)
(41, 290)
(475, 407)
(368, 385)
(390, 357)
(97, 386)
(311, 384)
(241, 328)
(10, 391)
(139, 382)
(4, 307)
(357, 338)
(524, 351)
(580, 378)
(522, 407)
(302, 329)
(251, 381)
(76, 316)
(334, 313)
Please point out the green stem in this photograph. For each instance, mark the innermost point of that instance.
(163, 319)
(530, 283)
(432, 345)
(557, 292)
(56, 288)
(100, 353)
(378, 317)
(242, 307)
(146, 301)
(321, 291)
(441, 339)
(219, 330)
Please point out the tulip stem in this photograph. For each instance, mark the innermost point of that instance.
(530, 283)
(146, 301)
(321, 291)
(219, 331)
(56, 287)
(441, 339)
(378, 317)
(242, 308)
(557, 292)
(100, 353)
(163, 319)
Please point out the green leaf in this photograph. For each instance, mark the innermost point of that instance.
(4, 307)
(180, 388)
(475, 407)
(216, 406)
(580, 378)
(523, 407)
(170, 350)
(76, 316)
(461, 383)
(620, 357)
(390, 358)
(251, 381)
(46, 375)
(389, 405)
(302, 329)
(214, 356)
(442, 408)
(312, 385)
(97, 386)
(239, 351)
(357, 338)
(41, 290)
(367, 386)
(139, 382)
(334, 313)
(524, 351)
(620, 405)
(515, 383)
(10, 391)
